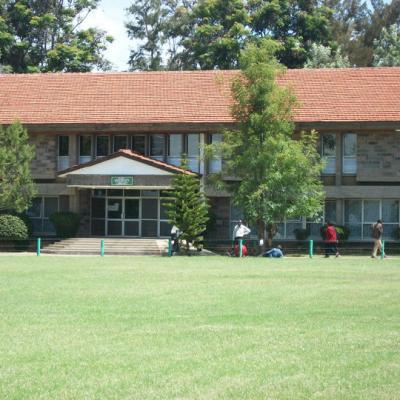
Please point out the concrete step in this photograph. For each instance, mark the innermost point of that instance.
(113, 246)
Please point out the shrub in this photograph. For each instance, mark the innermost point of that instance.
(12, 228)
(66, 223)
(343, 232)
(301, 234)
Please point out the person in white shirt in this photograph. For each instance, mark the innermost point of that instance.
(239, 231)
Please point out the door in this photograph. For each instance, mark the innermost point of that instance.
(115, 216)
(131, 217)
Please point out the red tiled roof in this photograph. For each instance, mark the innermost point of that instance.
(346, 94)
(353, 94)
(133, 156)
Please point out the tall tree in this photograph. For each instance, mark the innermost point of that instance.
(187, 208)
(147, 23)
(295, 24)
(217, 32)
(278, 177)
(45, 35)
(358, 23)
(387, 48)
(16, 184)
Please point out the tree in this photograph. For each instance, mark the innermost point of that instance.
(322, 57)
(45, 36)
(16, 184)
(187, 208)
(295, 24)
(277, 177)
(216, 33)
(356, 24)
(147, 23)
(387, 48)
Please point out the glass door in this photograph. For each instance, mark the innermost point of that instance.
(115, 216)
(131, 217)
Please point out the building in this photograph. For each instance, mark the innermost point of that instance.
(107, 144)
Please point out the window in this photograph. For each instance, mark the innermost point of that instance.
(328, 214)
(350, 153)
(63, 153)
(329, 153)
(360, 215)
(85, 148)
(39, 213)
(63, 146)
(215, 163)
(157, 146)
(193, 152)
(139, 144)
(175, 149)
(102, 146)
(120, 142)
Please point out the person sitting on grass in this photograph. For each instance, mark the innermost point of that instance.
(276, 252)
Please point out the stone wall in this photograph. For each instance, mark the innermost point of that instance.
(44, 165)
(378, 158)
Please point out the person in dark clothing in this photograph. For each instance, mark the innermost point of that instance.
(331, 241)
(377, 232)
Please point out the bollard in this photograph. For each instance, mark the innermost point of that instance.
(102, 248)
(383, 249)
(240, 247)
(311, 249)
(38, 244)
(169, 247)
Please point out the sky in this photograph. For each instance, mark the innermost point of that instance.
(110, 16)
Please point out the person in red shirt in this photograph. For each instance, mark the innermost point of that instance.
(331, 241)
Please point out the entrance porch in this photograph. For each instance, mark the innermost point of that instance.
(123, 195)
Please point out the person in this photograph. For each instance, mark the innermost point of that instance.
(236, 251)
(331, 241)
(239, 231)
(175, 233)
(276, 252)
(377, 232)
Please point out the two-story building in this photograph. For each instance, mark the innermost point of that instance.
(107, 144)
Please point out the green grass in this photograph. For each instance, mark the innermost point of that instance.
(199, 328)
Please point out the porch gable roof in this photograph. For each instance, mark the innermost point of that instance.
(138, 164)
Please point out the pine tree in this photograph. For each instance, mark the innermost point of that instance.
(187, 208)
(16, 184)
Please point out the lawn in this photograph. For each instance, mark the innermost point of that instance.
(199, 328)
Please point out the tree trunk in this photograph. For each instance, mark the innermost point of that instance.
(261, 235)
(272, 229)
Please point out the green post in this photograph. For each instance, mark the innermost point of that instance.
(240, 247)
(383, 249)
(102, 247)
(38, 244)
(311, 249)
(169, 247)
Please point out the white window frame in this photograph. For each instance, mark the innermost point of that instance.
(346, 170)
(330, 166)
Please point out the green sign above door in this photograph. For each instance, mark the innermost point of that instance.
(121, 180)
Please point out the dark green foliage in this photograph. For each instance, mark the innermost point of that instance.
(187, 209)
(42, 36)
(66, 223)
(16, 184)
(12, 228)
